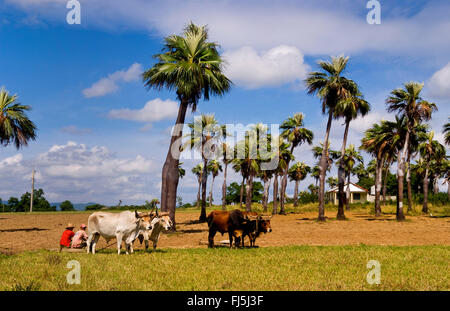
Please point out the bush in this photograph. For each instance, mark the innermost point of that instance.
(93, 207)
(66, 206)
(438, 199)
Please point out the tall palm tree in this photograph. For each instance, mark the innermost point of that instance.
(447, 132)
(205, 136)
(331, 87)
(429, 150)
(374, 143)
(408, 103)
(242, 169)
(265, 176)
(198, 172)
(284, 156)
(349, 108)
(297, 173)
(315, 173)
(193, 67)
(15, 127)
(351, 156)
(227, 158)
(417, 137)
(214, 167)
(296, 134)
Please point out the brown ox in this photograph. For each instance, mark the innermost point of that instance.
(238, 225)
(225, 221)
(256, 225)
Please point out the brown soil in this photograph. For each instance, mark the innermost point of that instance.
(20, 233)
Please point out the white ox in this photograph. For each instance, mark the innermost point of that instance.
(159, 223)
(124, 226)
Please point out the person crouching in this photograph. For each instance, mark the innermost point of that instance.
(80, 238)
(66, 237)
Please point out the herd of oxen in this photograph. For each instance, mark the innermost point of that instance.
(128, 226)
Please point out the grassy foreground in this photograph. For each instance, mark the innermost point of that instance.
(272, 268)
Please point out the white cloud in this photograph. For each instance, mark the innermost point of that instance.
(81, 174)
(439, 83)
(277, 66)
(109, 84)
(154, 110)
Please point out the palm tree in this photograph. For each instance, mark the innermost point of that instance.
(296, 135)
(266, 176)
(429, 150)
(193, 67)
(284, 156)
(181, 171)
(297, 173)
(15, 127)
(447, 132)
(315, 173)
(374, 142)
(351, 156)
(214, 167)
(349, 108)
(331, 87)
(198, 172)
(332, 182)
(417, 137)
(205, 136)
(408, 103)
(227, 157)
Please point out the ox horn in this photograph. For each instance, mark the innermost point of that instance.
(136, 214)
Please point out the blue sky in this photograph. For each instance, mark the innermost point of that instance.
(103, 137)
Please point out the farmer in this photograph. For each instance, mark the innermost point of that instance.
(66, 237)
(80, 237)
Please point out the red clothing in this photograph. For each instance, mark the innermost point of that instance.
(66, 238)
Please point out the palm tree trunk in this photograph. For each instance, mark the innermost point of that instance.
(323, 165)
(408, 183)
(266, 193)
(210, 191)
(425, 189)
(224, 188)
(386, 174)
(199, 190)
(248, 199)
(348, 193)
(296, 193)
(378, 174)
(436, 184)
(448, 189)
(283, 190)
(341, 174)
(275, 194)
(170, 175)
(241, 199)
(204, 182)
(401, 177)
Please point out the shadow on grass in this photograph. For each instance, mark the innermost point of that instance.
(192, 231)
(23, 229)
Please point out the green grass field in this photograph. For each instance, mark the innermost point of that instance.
(272, 268)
